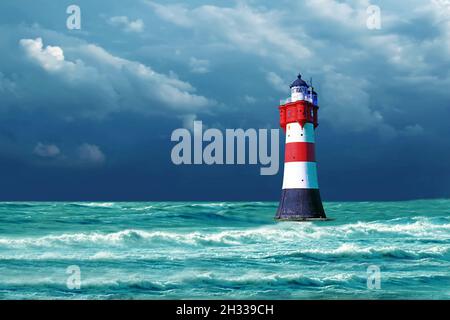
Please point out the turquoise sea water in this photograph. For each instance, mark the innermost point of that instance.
(223, 250)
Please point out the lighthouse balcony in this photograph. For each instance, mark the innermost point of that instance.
(290, 100)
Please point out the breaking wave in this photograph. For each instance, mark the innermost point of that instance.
(288, 232)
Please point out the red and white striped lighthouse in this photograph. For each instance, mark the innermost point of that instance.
(300, 198)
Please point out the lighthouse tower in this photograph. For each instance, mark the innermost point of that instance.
(300, 197)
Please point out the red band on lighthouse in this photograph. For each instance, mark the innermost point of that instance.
(300, 151)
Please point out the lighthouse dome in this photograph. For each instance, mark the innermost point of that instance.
(299, 82)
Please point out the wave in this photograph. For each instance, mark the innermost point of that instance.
(159, 257)
(265, 253)
(127, 236)
(92, 204)
(353, 251)
(161, 205)
(251, 283)
(422, 229)
(191, 279)
(227, 237)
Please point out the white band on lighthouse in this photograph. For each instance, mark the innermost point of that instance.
(296, 133)
(300, 175)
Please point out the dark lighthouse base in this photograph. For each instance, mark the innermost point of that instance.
(300, 205)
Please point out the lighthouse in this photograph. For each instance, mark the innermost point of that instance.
(300, 197)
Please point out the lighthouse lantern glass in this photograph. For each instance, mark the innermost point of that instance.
(298, 93)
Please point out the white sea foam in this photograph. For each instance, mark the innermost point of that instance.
(269, 242)
(96, 204)
(277, 233)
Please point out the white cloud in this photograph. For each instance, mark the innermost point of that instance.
(127, 24)
(46, 150)
(276, 82)
(351, 14)
(246, 28)
(199, 65)
(175, 13)
(90, 154)
(83, 155)
(50, 58)
(348, 103)
(114, 83)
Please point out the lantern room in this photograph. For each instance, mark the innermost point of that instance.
(302, 106)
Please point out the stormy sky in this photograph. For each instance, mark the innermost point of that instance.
(87, 114)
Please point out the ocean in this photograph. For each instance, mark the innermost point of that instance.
(223, 250)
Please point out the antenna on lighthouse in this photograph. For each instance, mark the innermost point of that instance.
(311, 89)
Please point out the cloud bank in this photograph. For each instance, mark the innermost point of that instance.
(108, 83)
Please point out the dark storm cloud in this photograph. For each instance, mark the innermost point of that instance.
(111, 93)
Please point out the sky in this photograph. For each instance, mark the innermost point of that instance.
(87, 114)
